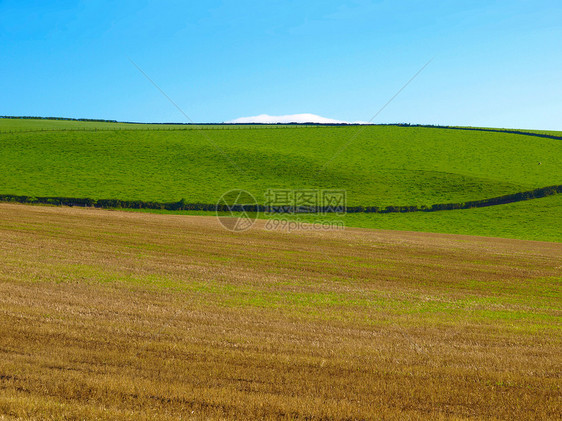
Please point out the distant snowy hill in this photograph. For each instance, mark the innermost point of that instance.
(292, 118)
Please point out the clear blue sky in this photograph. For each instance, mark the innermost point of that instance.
(496, 63)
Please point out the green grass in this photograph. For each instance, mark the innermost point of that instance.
(537, 219)
(378, 166)
(381, 166)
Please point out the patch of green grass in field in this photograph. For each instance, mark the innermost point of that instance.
(322, 303)
(382, 165)
(537, 219)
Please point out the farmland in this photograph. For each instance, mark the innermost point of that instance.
(154, 314)
(537, 219)
(309, 211)
(375, 165)
(120, 315)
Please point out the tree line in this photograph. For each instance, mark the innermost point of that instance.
(27, 117)
(153, 129)
(430, 126)
(184, 205)
(477, 129)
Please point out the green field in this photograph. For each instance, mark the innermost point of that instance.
(376, 165)
(538, 219)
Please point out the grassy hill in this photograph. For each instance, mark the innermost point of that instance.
(376, 165)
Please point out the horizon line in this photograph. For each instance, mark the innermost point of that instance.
(445, 126)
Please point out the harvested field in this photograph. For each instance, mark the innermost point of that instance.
(115, 315)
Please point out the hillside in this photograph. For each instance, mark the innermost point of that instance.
(376, 165)
(381, 165)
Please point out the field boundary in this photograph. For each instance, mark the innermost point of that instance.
(247, 126)
(477, 129)
(183, 205)
(171, 129)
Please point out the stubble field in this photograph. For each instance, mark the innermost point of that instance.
(116, 315)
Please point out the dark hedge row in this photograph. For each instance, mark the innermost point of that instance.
(183, 205)
(431, 126)
(476, 129)
(500, 200)
(24, 117)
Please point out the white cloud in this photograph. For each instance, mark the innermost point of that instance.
(292, 118)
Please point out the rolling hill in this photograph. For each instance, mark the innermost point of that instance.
(375, 165)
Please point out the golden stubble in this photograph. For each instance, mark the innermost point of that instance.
(120, 315)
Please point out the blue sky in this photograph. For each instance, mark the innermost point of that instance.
(496, 63)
